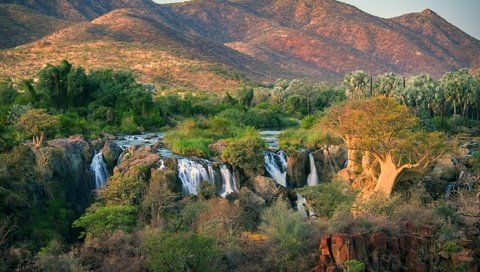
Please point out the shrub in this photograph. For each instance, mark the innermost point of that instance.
(179, 252)
(245, 152)
(327, 197)
(128, 125)
(101, 221)
(288, 233)
(380, 205)
(451, 247)
(354, 266)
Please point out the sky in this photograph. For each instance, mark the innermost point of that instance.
(462, 13)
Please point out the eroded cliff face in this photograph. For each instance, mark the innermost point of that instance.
(415, 249)
(63, 165)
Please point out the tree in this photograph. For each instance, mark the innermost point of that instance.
(357, 84)
(37, 122)
(172, 252)
(387, 84)
(460, 89)
(388, 131)
(101, 221)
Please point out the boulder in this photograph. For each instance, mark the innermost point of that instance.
(297, 171)
(138, 162)
(329, 160)
(111, 152)
(266, 188)
(444, 169)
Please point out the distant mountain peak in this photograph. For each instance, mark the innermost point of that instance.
(428, 13)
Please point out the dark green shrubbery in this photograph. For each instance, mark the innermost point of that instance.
(245, 151)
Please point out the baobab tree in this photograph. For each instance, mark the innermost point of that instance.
(388, 131)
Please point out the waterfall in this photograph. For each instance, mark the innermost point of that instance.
(162, 165)
(301, 201)
(191, 173)
(99, 168)
(229, 185)
(312, 178)
(211, 173)
(276, 166)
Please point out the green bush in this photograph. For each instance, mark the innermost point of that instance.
(451, 247)
(179, 252)
(101, 221)
(325, 198)
(287, 232)
(245, 152)
(354, 266)
(128, 125)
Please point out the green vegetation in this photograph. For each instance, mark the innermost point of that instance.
(140, 220)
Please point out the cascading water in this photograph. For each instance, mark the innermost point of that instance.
(276, 166)
(191, 173)
(162, 165)
(99, 169)
(301, 202)
(229, 184)
(312, 178)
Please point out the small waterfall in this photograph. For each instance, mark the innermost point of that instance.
(191, 173)
(162, 165)
(211, 173)
(301, 202)
(99, 168)
(276, 166)
(229, 184)
(312, 178)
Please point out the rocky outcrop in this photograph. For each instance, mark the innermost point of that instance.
(408, 251)
(297, 170)
(111, 152)
(266, 188)
(329, 160)
(66, 162)
(137, 161)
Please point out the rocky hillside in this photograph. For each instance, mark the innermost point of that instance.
(262, 39)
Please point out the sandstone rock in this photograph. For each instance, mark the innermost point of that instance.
(408, 251)
(135, 165)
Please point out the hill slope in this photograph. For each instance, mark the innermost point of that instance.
(264, 39)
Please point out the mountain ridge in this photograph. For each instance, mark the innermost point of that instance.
(266, 39)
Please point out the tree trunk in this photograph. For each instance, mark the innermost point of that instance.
(352, 164)
(388, 176)
(367, 163)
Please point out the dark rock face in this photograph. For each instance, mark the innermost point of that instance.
(413, 250)
(266, 188)
(329, 160)
(111, 152)
(297, 171)
(67, 163)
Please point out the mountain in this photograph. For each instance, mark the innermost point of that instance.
(263, 39)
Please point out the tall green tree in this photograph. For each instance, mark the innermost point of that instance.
(357, 83)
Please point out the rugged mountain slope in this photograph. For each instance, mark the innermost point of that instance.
(265, 39)
(19, 24)
(79, 10)
(329, 35)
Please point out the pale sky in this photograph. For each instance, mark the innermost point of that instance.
(464, 14)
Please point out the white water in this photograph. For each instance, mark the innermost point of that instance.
(229, 184)
(191, 173)
(276, 166)
(162, 165)
(301, 202)
(312, 178)
(99, 169)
